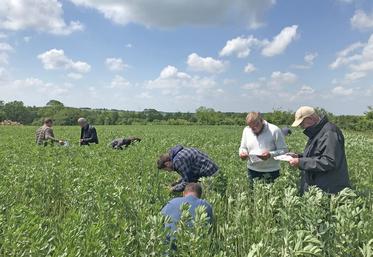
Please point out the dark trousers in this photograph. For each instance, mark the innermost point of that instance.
(269, 177)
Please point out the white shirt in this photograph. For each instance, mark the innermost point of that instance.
(270, 139)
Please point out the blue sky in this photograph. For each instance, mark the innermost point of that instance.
(231, 55)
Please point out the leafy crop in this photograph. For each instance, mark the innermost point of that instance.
(94, 201)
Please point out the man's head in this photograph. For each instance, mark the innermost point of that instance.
(82, 122)
(305, 117)
(255, 121)
(48, 122)
(165, 162)
(193, 189)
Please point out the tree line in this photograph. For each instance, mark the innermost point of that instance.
(63, 115)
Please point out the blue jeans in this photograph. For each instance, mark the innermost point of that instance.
(269, 177)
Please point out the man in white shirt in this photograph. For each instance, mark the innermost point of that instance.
(261, 142)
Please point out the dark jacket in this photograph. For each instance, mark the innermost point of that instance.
(89, 135)
(323, 162)
(191, 164)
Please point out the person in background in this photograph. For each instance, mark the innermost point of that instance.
(191, 196)
(261, 142)
(45, 134)
(190, 163)
(323, 162)
(88, 133)
(119, 143)
(286, 131)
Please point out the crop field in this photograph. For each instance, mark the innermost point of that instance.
(95, 201)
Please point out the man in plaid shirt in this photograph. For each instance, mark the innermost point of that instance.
(190, 163)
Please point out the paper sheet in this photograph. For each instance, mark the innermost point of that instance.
(283, 157)
(253, 155)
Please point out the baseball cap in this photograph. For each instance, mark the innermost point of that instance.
(302, 113)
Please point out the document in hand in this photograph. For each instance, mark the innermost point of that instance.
(283, 157)
(253, 155)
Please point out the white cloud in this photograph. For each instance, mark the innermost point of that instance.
(206, 64)
(165, 13)
(115, 64)
(241, 46)
(342, 91)
(41, 15)
(361, 20)
(173, 82)
(128, 45)
(76, 76)
(119, 83)
(309, 59)
(56, 59)
(33, 89)
(356, 75)
(344, 57)
(249, 68)
(281, 41)
(282, 78)
(358, 62)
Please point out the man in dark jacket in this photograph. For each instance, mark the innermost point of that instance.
(190, 163)
(323, 163)
(88, 133)
(119, 143)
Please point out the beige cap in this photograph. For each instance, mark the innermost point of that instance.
(302, 113)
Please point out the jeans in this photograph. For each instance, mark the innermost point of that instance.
(269, 177)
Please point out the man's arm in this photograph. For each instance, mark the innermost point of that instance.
(330, 153)
(281, 147)
(49, 135)
(184, 170)
(179, 187)
(243, 151)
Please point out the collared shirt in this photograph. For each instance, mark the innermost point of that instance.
(43, 134)
(271, 139)
(191, 164)
(173, 209)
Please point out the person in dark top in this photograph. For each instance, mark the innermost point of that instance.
(88, 133)
(190, 163)
(119, 143)
(323, 163)
(191, 196)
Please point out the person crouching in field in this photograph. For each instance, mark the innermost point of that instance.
(45, 134)
(190, 163)
(261, 142)
(88, 133)
(191, 196)
(323, 162)
(119, 143)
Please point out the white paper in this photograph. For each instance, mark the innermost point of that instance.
(283, 157)
(253, 155)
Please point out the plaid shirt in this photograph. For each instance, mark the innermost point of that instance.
(43, 134)
(191, 164)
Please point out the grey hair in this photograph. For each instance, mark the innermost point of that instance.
(82, 121)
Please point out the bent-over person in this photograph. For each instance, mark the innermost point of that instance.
(190, 163)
